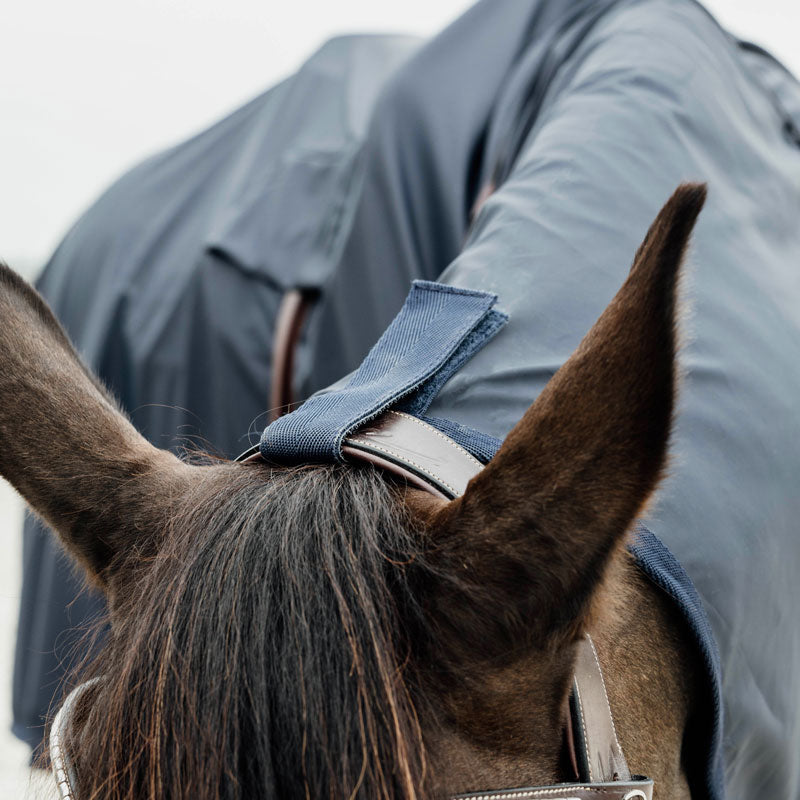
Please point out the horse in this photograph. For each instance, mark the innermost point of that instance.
(323, 631)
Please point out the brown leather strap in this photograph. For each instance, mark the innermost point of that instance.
(63, 768)
(288, 327)
(410, 448)
(597, 747)
(618, 790)
(605, 772)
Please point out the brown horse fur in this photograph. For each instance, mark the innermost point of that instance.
(319, 633)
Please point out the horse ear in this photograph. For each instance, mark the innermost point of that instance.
(531, 538)
(66, 447)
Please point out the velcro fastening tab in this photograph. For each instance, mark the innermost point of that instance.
(438, 329)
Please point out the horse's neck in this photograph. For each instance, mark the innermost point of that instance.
(650, 674)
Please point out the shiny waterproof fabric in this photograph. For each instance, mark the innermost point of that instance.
(586, 115)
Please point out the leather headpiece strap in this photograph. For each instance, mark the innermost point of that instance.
(410, 449)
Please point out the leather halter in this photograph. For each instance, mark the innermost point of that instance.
(414, 451)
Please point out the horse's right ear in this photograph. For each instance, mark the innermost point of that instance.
(66, 447)
(529, 542)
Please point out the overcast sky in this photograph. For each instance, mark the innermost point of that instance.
(89, 87)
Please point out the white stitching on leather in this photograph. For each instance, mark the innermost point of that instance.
(403, 460)
(605, 693)
(532, 794)
(583, 723)
(440, 435)
(60, 768)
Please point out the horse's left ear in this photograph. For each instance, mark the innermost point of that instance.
(528, 543)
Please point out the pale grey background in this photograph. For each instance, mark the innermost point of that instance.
(88, 88)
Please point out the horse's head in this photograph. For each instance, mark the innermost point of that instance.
(319, 631)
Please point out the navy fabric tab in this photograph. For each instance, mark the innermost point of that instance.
(438, 329)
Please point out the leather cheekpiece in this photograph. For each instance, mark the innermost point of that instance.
(616, 790)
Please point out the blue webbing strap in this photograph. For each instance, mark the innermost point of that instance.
(438, 329)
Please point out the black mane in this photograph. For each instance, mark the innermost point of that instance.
(264, 652)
